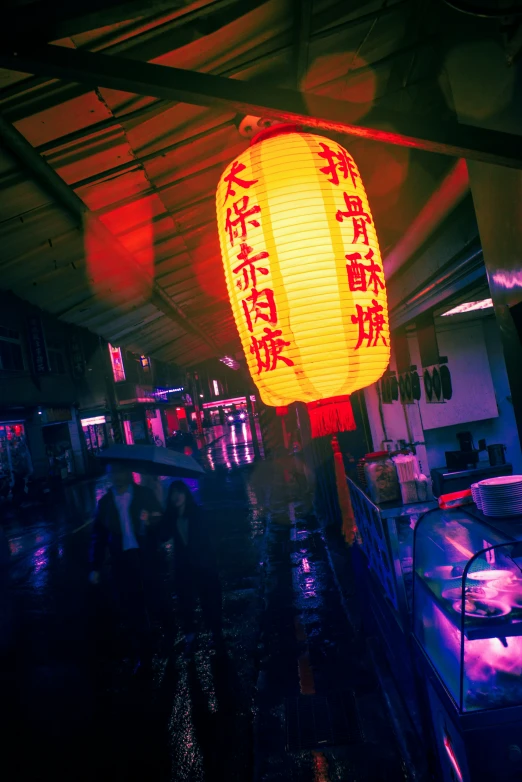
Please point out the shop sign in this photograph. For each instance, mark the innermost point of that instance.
(56, 415)
(94, 420)
(165, 394)
(38, 347)
(118, 370)
(77, 357)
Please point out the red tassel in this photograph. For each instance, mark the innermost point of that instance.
(281, 411)
(343, 493)
(328, 416)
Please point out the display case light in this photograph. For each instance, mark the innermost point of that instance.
(469, 306)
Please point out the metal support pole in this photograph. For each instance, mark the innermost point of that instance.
(195, 392)
(253, 428)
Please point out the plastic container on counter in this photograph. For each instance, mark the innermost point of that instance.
(409, 492)
(381, 477)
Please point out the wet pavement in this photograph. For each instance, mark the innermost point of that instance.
(291, 695)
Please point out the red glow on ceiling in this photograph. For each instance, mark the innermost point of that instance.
(133, 226)
(345, 76)
(125, 267)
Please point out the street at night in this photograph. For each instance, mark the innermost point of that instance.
(260, 390)
(77, 712)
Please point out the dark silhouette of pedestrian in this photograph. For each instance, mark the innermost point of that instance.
(195, 572)
(127, 527)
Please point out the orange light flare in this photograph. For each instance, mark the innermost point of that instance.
(345, 76)
(388, 171)
(127, 264)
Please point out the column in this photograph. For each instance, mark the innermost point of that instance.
(487, 92)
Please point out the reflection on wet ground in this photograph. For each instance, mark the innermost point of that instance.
(76, 711)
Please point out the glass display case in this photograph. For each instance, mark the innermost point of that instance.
(467, 606)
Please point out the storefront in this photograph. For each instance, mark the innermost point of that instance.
(171, 407)
(134, 427)
(176, 418)
(57, 440)
(95, 433)
(14, 452)
(155, 427)
(143, 426)
(141, 415)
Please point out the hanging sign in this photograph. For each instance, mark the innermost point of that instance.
(56, 415)
(37, 346)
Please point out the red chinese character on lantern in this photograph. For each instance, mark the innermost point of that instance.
(354, 209)
(372, 318)
(233, 178)
(268, 350)
(248, 267)
(237, 228)
(262, 306)
(362, 277)
(338, 163)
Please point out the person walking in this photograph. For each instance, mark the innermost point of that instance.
(127, 526)
(195, 573)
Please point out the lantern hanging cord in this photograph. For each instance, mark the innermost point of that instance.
(484, 13)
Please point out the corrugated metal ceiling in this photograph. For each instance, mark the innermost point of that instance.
(148, 168)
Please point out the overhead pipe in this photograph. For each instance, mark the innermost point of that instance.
(467, 270)
(453, 188)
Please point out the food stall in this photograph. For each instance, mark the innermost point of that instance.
(442, 592)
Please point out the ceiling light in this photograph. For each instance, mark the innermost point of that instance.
(469, 306)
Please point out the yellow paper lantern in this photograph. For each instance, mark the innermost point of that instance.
(304, 273)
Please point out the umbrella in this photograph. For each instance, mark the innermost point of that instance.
(151, 460)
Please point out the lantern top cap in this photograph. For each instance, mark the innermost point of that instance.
(274, 130)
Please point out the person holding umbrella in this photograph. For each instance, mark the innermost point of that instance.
(127, 526)
(195, 572)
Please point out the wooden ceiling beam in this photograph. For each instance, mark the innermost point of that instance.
(313, 111)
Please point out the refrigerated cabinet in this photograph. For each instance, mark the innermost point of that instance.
(467, 626)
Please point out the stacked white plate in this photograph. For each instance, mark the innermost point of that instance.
(475, 493)
(501, 496)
